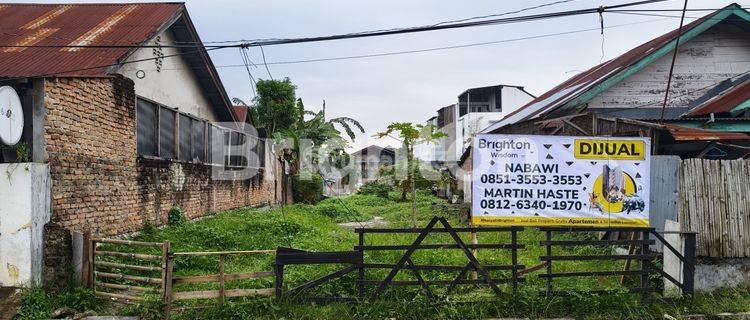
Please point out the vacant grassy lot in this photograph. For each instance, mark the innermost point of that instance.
(315, 228)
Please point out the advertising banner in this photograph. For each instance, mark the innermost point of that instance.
(524, 180)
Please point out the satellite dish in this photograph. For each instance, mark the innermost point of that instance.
(11, 116)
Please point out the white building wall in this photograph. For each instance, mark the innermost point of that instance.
(174, 86)
(474, 122)
(25, 190)
(721, 52)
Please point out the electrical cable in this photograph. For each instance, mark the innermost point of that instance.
(674, 58)
(246, 61)
(446, 26)
(393, 53)
(265, 63)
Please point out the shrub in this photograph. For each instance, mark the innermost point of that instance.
(375, 188)
(308, 189)
(175, 216)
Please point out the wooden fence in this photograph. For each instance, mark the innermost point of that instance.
(173, 294)
(714, 202)
(128, 281)
(116, 272)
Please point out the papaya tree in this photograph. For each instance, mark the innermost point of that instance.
(411, 135)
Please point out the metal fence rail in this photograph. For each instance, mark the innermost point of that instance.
(405, 262)
(638, 244)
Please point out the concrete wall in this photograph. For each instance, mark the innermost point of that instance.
(721, 52)
(174, 84)
(25, 191)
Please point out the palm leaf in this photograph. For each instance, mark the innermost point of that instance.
(345, 123)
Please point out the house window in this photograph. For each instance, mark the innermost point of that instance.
(166, 133)
(198, 137)
(185, 122)
(146, 128)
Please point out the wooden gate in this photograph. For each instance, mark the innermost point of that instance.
(127, 282)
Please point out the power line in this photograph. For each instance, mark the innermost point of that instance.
(447, 26)
(264, 62)
(392, 53)
(674, 58)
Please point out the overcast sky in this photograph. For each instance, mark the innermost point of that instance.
(411, 87)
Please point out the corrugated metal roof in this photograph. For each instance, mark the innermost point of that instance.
(75, 24)
(582, 82)
(681, 133)
(723, 102)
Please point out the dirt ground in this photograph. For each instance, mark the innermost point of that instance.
(9, 302)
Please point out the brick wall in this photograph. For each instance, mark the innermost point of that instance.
(98, 182)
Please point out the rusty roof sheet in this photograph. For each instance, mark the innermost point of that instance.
(240, 113)
(724, 102)
(75, 24)
(681, 133)
(583, 81)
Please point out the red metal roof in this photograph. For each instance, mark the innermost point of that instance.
(681, 133)
(724, 102)
(581, 82)
(75, 24)
(240, 113)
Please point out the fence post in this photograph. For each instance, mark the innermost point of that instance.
(90, 262)
(279, 271)
(644, 264)
(222, 286)
(514, 258)
(168, 285)
(688, 265)
(361, 275)
(85, 263)
(164, 258)
(549, 264)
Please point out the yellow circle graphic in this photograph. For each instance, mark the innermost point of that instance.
(611, 199)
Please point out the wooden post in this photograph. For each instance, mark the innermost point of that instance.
(222, 287)
(87, 258)
(92, 268)
(164, 258)
(168, 286)
(631, 251)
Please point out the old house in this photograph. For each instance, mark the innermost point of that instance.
(700, 139)
(125, 117)
(704, 116)
(369, 160)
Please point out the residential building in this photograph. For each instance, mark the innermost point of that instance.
(709, 97)
(117, 135)
(369, 160)
(478, 108)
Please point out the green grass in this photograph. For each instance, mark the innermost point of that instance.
(315, 228)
